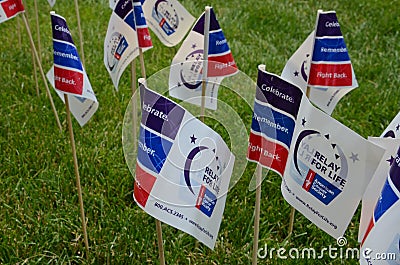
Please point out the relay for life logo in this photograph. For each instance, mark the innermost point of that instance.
(324, 173)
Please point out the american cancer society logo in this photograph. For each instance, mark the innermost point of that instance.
(206, 180)
(116, 47)
(319, 165)
(166, 16)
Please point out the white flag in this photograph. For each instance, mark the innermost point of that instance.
(393, 129)
(185, 79)
(51, 2)
(322, 63)
(121, 43)
(68, 76)
(168, 19)
(328, 166)
(183, 168)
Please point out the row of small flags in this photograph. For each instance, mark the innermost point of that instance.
(326, 168)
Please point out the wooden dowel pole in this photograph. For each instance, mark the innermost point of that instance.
(82, 55)
(257, 213)
(76, 168)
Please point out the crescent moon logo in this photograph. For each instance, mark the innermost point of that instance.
(188, 163)
(303, 70)
(187, 84)
(302, 135)
(157, 4)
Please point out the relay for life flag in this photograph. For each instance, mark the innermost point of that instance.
(183, 168)
(10, 8)
(168, 19)
(393, 129)
(67, 75)
(121, 44)
(143, 34)
(377, 182)
(390, 141)
(322, 63)
(185, 78)
(382, 238)
(327, 167)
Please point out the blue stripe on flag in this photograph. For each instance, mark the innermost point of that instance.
(66, 55)
(386, 200)
(140, 20)
(217, 43)
(272, 124)
(152, 150)
(330, 50)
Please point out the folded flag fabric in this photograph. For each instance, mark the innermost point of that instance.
(168, 19)
(325, 166)
(322, 63)
(143, 34)
(382, 236)
(185, 79)
(377, 182)
(183, 168)
(393, 129)
(121, 44)
(10, 8)
(67, 75)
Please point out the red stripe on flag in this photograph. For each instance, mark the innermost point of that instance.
(267, 153)
(223, 65)
(68, 80)
(12, 7)
(369, 228)
(144, 183)
(144, 38)
(330, 75)
(309, 180)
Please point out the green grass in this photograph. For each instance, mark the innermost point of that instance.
(39, 211)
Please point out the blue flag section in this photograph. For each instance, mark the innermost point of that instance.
(183, 168)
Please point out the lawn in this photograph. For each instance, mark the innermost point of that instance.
(39, 210)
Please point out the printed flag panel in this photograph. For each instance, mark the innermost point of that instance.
(186, 72)
(393, 129)
(375, 186)
(143, 34)
(328, 169)
(168, 19)
(383, 234)
(121, 42)
(183, 168)
(10, 8)
(327, 166)
(323, 64)
(68, 76)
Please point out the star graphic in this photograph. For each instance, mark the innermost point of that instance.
(398, 127)
(303, 122)
(354, 157)
(390, 160)
(193, 139)
(296, 73)
(194, 46)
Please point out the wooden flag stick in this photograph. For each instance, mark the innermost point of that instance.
(257, 213)
(142, 67)
(35, 73)
(160, 242)
(78, 180)
(41, 70)
(80, 32)
(205, 61)
(38, 32)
